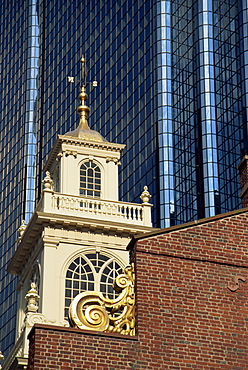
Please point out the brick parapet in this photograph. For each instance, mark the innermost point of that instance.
(222, 241)
(69, 348)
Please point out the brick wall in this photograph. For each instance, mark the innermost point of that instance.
(187, 318)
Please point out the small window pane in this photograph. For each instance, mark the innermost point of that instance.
(90, 179)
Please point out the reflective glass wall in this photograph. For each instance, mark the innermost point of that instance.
(201, 106)
(172, 86)
(18, 149)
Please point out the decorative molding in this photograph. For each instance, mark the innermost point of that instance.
(93, 311)
(47, 182)
(59, 156)
(64, 323)
(81, 143)
(33, 247)
(50, 241)
(92, 144)
(32, 297)
(37, 318)
(145, 195)
(33, 238)
(22, 228)
(70, 152)
(112, 159)
(234, 285)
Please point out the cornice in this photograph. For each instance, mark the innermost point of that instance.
(61, 329)
(40, 220)
(61, 139)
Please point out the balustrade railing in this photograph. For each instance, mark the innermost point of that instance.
(93, 206)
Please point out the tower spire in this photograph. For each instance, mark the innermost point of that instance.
(83, 109)
(83, 130)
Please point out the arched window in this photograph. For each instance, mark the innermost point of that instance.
(90, 180)
(92, 271)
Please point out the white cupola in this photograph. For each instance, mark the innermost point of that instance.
(83, 163)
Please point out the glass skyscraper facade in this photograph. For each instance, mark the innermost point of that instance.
(172, 85)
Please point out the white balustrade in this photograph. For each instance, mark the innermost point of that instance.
(96, 208)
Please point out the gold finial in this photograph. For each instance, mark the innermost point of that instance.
(83, 109)
(83, 130)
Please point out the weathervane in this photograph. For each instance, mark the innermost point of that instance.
(82, 60)
(83, 130)
(84, 73)
(83, 109)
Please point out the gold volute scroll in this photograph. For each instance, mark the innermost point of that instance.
(92, 311)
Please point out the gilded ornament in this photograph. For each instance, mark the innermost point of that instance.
(93, 311)
(83, 130)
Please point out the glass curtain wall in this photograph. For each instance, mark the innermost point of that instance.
(19, 69)
(200, 149)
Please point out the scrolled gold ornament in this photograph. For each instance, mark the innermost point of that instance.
(91, 310)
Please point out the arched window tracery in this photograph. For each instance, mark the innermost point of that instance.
(91, 272)
(90, 180)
